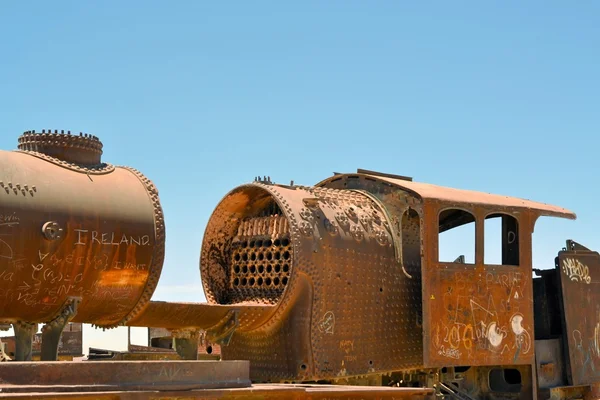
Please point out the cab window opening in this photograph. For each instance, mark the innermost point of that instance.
(456, 236)
(501, 240)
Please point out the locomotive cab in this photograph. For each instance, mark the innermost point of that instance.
(486, 326)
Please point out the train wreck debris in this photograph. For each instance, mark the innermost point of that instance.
(341, 283)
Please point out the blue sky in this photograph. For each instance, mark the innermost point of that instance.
(493, 96)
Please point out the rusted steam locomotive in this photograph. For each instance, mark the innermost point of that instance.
(336, 283)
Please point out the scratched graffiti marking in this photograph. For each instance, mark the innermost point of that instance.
(5, 250)
(42, 255)
(576, 271)
(85, 236)
(450, 353)
(170, 372)
(327, 323)
(347, 346)
(7, 221)
(586, 354)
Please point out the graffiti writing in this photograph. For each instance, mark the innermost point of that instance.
(327, 323)
(576, 271)
(85, 236)
(482, 315)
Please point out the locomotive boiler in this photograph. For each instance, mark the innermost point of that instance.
(80, 239)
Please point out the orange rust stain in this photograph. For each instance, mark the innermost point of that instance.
(116, 278)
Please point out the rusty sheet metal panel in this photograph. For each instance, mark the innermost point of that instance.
(478, 316)
(255, 392)
(579, 272)
(325, 259)
(549, 363)
(71, 225)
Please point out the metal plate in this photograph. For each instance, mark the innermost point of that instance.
(549, 363)
(479, 315)
(263, 392)
(88, 376)
(579, 273)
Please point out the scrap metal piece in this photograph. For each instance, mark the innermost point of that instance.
(3, 356)
(105, 376)
(579, 276)
(186, 343)
(550, 364)
(24, 340)
(52, 331)
(180, 316)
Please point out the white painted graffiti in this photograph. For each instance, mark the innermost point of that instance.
(522, 337)
(576, 271)
(495, 335)
(327, 323)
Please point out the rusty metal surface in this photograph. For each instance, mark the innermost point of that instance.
(199, 315)
(591, 392)
(256, 392)
(135, 353)
(579, 272)
(427, 191)
(83, 149)
(479, 316)
(500, 382)
(549, 363)
(68, 229)
(345, 295)
(92, 376)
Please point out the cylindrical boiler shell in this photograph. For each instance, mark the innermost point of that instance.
(67, 232)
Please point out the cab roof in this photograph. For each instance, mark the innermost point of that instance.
(427, 191)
